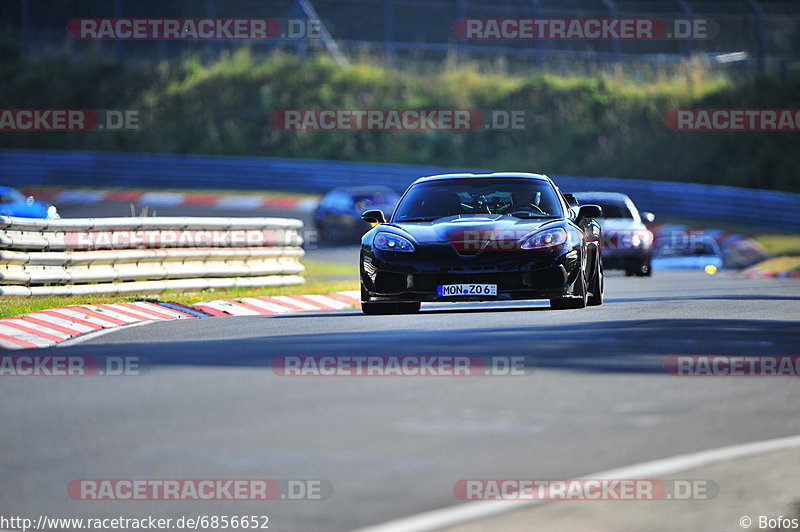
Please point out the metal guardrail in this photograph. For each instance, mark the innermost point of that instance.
(759, 208)
(123, 255)
(764, 208)
(156, 170)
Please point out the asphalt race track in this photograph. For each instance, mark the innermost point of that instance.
(210, 406)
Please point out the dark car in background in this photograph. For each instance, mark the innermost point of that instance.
(479, 237)
(14, 203)
(627, 242)
(338, 215)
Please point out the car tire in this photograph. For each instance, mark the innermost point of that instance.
(646, 269)
(381, 309)
(578, 300)
(367, 308)
(375, 309)
(597, 286)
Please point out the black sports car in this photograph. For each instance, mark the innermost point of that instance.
(477, 237)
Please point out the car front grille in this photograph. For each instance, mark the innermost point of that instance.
(390, 282)
(545, 279)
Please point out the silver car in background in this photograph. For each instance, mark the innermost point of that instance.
(627, 242)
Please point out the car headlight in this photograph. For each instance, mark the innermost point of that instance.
(52, 212)
(647, 238)
(391, 242)
(545, 239)
(641, 238)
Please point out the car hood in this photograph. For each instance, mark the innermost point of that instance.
(456, 228)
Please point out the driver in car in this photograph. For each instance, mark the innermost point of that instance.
(527, 201)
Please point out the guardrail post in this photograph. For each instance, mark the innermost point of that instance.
(26, 27)
(388, 31)
(759, 14)
(612, 13)
(118, 54)
(689, 14)
(210, 47)
(538, 43)
(326, 37)
(461, 13)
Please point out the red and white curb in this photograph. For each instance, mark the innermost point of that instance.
(45, 328)
(757, 273)
(174, 199)
(254, 306)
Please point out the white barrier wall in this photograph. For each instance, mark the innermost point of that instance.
(119, 255)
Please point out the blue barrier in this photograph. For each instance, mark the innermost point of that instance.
(157, 171)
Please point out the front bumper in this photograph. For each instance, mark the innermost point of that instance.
(518, 274)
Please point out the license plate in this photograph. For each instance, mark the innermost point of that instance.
(450, 290)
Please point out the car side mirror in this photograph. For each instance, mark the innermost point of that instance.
(648, 216)
(373, 217)
(588, 212)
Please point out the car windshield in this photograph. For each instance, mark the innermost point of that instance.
(611, 210)
(376, 199)
(522, 198)
(665, 247)
(12, 196)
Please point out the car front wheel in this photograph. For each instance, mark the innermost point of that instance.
(578, 299)
(597, 286)
(646, 270)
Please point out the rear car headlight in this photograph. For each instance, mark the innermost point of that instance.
(638, 239)
(545, 239)
(647, 238)
(391, 242)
